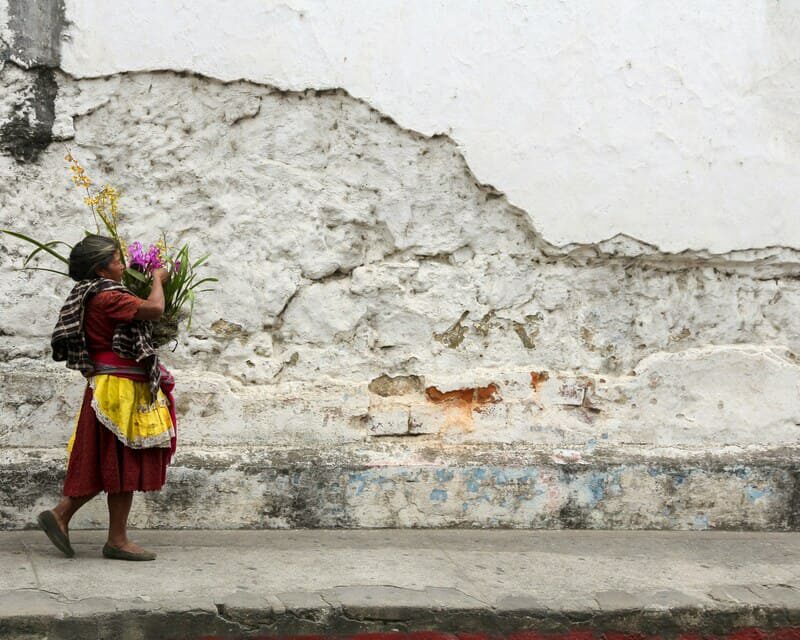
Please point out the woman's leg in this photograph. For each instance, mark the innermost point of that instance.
(119, 506)
(65, 509)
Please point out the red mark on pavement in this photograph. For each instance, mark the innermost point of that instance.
(787, 633)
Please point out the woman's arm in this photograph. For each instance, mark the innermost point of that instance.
(153, 307)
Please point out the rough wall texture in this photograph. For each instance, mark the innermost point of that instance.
(392, 343)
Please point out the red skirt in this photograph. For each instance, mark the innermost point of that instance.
(100, 462)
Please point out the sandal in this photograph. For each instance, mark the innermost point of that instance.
(48, 523)
(115, 553)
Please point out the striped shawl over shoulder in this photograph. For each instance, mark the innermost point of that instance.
(131, 340)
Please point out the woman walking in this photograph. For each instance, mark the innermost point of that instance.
(124, 435)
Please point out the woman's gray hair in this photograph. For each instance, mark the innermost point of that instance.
(93, 252)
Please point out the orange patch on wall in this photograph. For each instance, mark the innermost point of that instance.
(537, 378)
(459, 404)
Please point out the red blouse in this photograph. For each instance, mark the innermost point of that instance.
(103, 313)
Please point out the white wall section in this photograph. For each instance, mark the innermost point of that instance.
(675, 122)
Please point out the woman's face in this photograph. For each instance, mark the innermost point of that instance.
(114, 269)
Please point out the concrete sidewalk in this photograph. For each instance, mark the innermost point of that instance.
(248, 583)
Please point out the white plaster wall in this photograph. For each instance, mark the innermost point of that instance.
(386, 331)
(675, 121)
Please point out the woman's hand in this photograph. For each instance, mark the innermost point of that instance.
(162, 275)
(153, 307)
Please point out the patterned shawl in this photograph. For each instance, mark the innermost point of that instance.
(131, 340)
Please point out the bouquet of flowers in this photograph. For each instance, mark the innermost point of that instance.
(184, 282)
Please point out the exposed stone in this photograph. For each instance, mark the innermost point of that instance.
(426, 419)
(562, 391)
(396, 386)
(226, 329)
(454, 335)
(390, 422)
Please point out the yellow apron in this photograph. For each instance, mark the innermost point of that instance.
(123, 407)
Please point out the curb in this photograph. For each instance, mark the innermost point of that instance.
(359, 609)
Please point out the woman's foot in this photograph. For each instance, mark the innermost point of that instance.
(127, 550)
(56, 529)
(55, 523)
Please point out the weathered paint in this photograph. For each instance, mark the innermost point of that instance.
(280, 489)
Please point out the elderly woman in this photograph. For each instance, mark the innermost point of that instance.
(124, 434)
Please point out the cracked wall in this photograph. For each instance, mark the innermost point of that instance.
(393, 343)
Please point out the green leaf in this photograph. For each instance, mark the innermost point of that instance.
(191, 310)
(199, 282)
(201, 261)
(61, 273)
(41, 245)
(38, 249)
(137, 275)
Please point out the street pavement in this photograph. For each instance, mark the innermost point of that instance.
(323, 582)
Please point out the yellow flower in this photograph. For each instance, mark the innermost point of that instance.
(104, 203)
